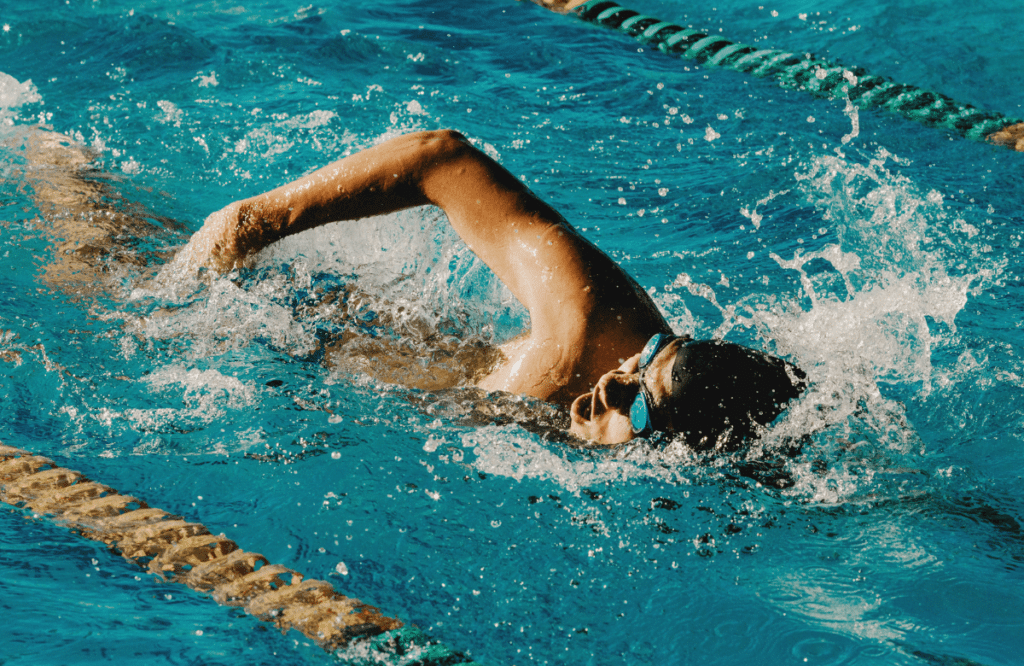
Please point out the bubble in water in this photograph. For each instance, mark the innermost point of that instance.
(341, 568)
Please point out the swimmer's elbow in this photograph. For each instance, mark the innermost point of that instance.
(444, 136)
(439, 147)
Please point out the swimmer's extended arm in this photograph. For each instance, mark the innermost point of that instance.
(410, 170)
(519, 236)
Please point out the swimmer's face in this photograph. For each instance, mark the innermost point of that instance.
(602, 416)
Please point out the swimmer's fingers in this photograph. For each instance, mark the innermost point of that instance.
(1012, 137)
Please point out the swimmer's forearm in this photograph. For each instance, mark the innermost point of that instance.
(391, 176)
(485, 204)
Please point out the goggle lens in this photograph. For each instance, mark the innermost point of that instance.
(640, 411)
(653, 346)
(639, 415)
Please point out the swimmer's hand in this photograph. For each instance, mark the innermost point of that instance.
(214, 247)
(1012, 137)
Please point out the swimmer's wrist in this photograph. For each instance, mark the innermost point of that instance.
(252, 225)
(217, 244)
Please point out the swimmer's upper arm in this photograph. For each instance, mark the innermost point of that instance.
(523, 239)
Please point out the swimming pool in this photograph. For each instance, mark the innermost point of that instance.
(887, 266)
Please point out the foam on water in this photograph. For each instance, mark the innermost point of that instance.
(14, 94)
(505, 452)
(203, 387)
(229, 317)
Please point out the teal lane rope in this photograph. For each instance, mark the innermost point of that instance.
(187, 553)
(817, 76)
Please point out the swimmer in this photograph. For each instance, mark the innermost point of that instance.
(598, 346)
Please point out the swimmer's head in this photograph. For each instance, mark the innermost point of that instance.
(714, 393)
(719, 392)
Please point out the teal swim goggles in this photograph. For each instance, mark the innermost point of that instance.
(641, 411)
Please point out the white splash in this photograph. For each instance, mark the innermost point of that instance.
(204, 387)
(229, 318)
(870, 312)
(14, 94)
(511, 452)
(851, 110)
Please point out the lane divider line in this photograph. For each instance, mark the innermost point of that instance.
(817, 76)
(184, 552)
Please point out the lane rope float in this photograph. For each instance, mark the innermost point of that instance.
(816, 76)
(184, 552)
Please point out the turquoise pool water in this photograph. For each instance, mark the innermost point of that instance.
(881, 256)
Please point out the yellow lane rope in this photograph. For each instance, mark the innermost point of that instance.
(187, 553)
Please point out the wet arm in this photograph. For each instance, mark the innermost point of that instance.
(485, 204)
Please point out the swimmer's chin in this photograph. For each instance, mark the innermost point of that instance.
(560, 6)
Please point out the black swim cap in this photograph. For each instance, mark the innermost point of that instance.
(720, 390)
